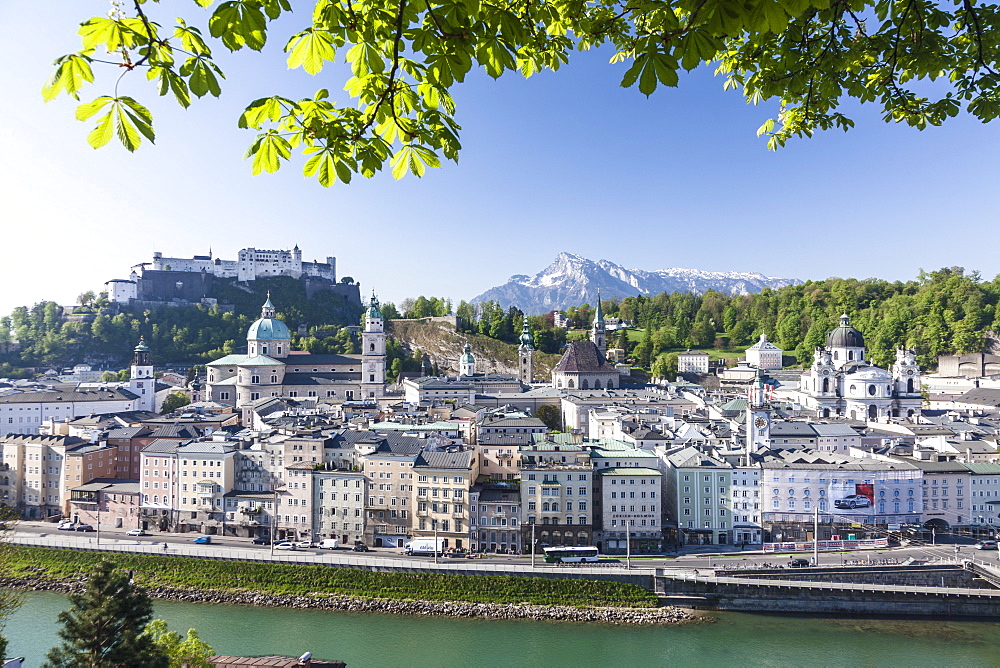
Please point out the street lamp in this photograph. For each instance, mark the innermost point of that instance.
(274, 517)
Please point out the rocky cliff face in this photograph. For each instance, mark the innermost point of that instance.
(572, 280)
(443, 345)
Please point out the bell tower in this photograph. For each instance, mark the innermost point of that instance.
(141, 380)
(597, 332)
(373, 353)
(526, 355)
(758, 425)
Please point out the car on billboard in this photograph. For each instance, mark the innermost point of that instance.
(853, 501)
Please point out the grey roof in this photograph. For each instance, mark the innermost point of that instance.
(34, 439)
(835, 429)
(584, 357)
(792, 429)
(162, 447)
(504, 439)
(116, 394)
(935, 467)
(322, 378)
(806, 458)
(176, 431)
(109, 486)
(497, 495)
(129, 432)
(206, 448)
(321, 360)
(444, 460)
(981, 395)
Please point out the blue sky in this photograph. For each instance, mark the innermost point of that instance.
(561, 162)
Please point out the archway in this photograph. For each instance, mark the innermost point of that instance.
(826, 385)
(569, 383)
(826, 412)
(584, 385)
(872, 412)
(909, 386)
(597, 384)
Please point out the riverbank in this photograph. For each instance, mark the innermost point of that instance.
(327, 588)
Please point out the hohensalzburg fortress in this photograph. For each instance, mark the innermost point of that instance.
(251, 265)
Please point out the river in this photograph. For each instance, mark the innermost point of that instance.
(389, 641)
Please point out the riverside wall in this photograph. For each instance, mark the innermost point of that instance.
(816, 593)
(624, 616)
(921, 576)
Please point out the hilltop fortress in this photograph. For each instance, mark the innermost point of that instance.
(174, 279)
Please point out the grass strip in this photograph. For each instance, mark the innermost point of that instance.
(303, 579)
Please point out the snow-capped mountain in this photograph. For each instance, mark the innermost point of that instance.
(572, 280)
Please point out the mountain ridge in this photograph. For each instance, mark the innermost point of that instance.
(571, 280)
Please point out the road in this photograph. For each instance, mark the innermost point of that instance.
(46, 533)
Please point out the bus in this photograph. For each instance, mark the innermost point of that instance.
(570, 555)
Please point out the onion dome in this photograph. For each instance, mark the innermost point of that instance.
(845, 336)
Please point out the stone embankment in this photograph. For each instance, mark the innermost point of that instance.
(646, 616)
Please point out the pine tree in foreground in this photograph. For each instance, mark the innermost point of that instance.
(104, 628)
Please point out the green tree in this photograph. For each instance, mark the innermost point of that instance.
(665, 366)
(173, 401)
(104, 627)
(86, 298)
(805, 56)
(188, 652)
(550, 415)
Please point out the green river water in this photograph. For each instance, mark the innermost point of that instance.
(388, 640)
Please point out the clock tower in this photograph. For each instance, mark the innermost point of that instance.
(758, 426)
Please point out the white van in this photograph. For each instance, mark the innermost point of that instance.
(329, 544)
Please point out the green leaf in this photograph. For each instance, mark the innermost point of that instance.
(102, 132)
(239, 23)
(268, 151)
(310, 49)
(71, 73)
(88, 109)
(261, 111)
(365, 59)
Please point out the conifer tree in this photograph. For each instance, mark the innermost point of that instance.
(104, 628)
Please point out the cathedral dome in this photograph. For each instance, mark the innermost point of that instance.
(845, 336)
(268, 327)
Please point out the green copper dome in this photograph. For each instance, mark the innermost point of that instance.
(268, 327)
(467, 357)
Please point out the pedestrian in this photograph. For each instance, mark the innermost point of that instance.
(164, 547)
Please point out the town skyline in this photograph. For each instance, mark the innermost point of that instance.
(679, 179)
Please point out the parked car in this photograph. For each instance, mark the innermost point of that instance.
(66, 526)
(986, 545)
(260, 541)
(284, 545)
(83, 527)
(853, 501)
(136, 532)
(304, 544)
(361, 547)
(202, 540)
(799, 563)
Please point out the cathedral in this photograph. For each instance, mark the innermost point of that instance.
(841, 383)
(584, 365)
(271, 369)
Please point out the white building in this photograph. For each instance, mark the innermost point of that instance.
(271, 369)
(764, 354)
(631, 509)
(842, 383)
(251, 264)
(692, 361)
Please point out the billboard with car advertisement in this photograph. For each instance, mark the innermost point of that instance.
(852, 498)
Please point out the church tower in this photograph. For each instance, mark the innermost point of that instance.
(597, 332)
(141, 381)
(373, 353)
(526, 355)
(466, 363)
(758, 424)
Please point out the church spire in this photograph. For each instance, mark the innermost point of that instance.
(527, 342)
